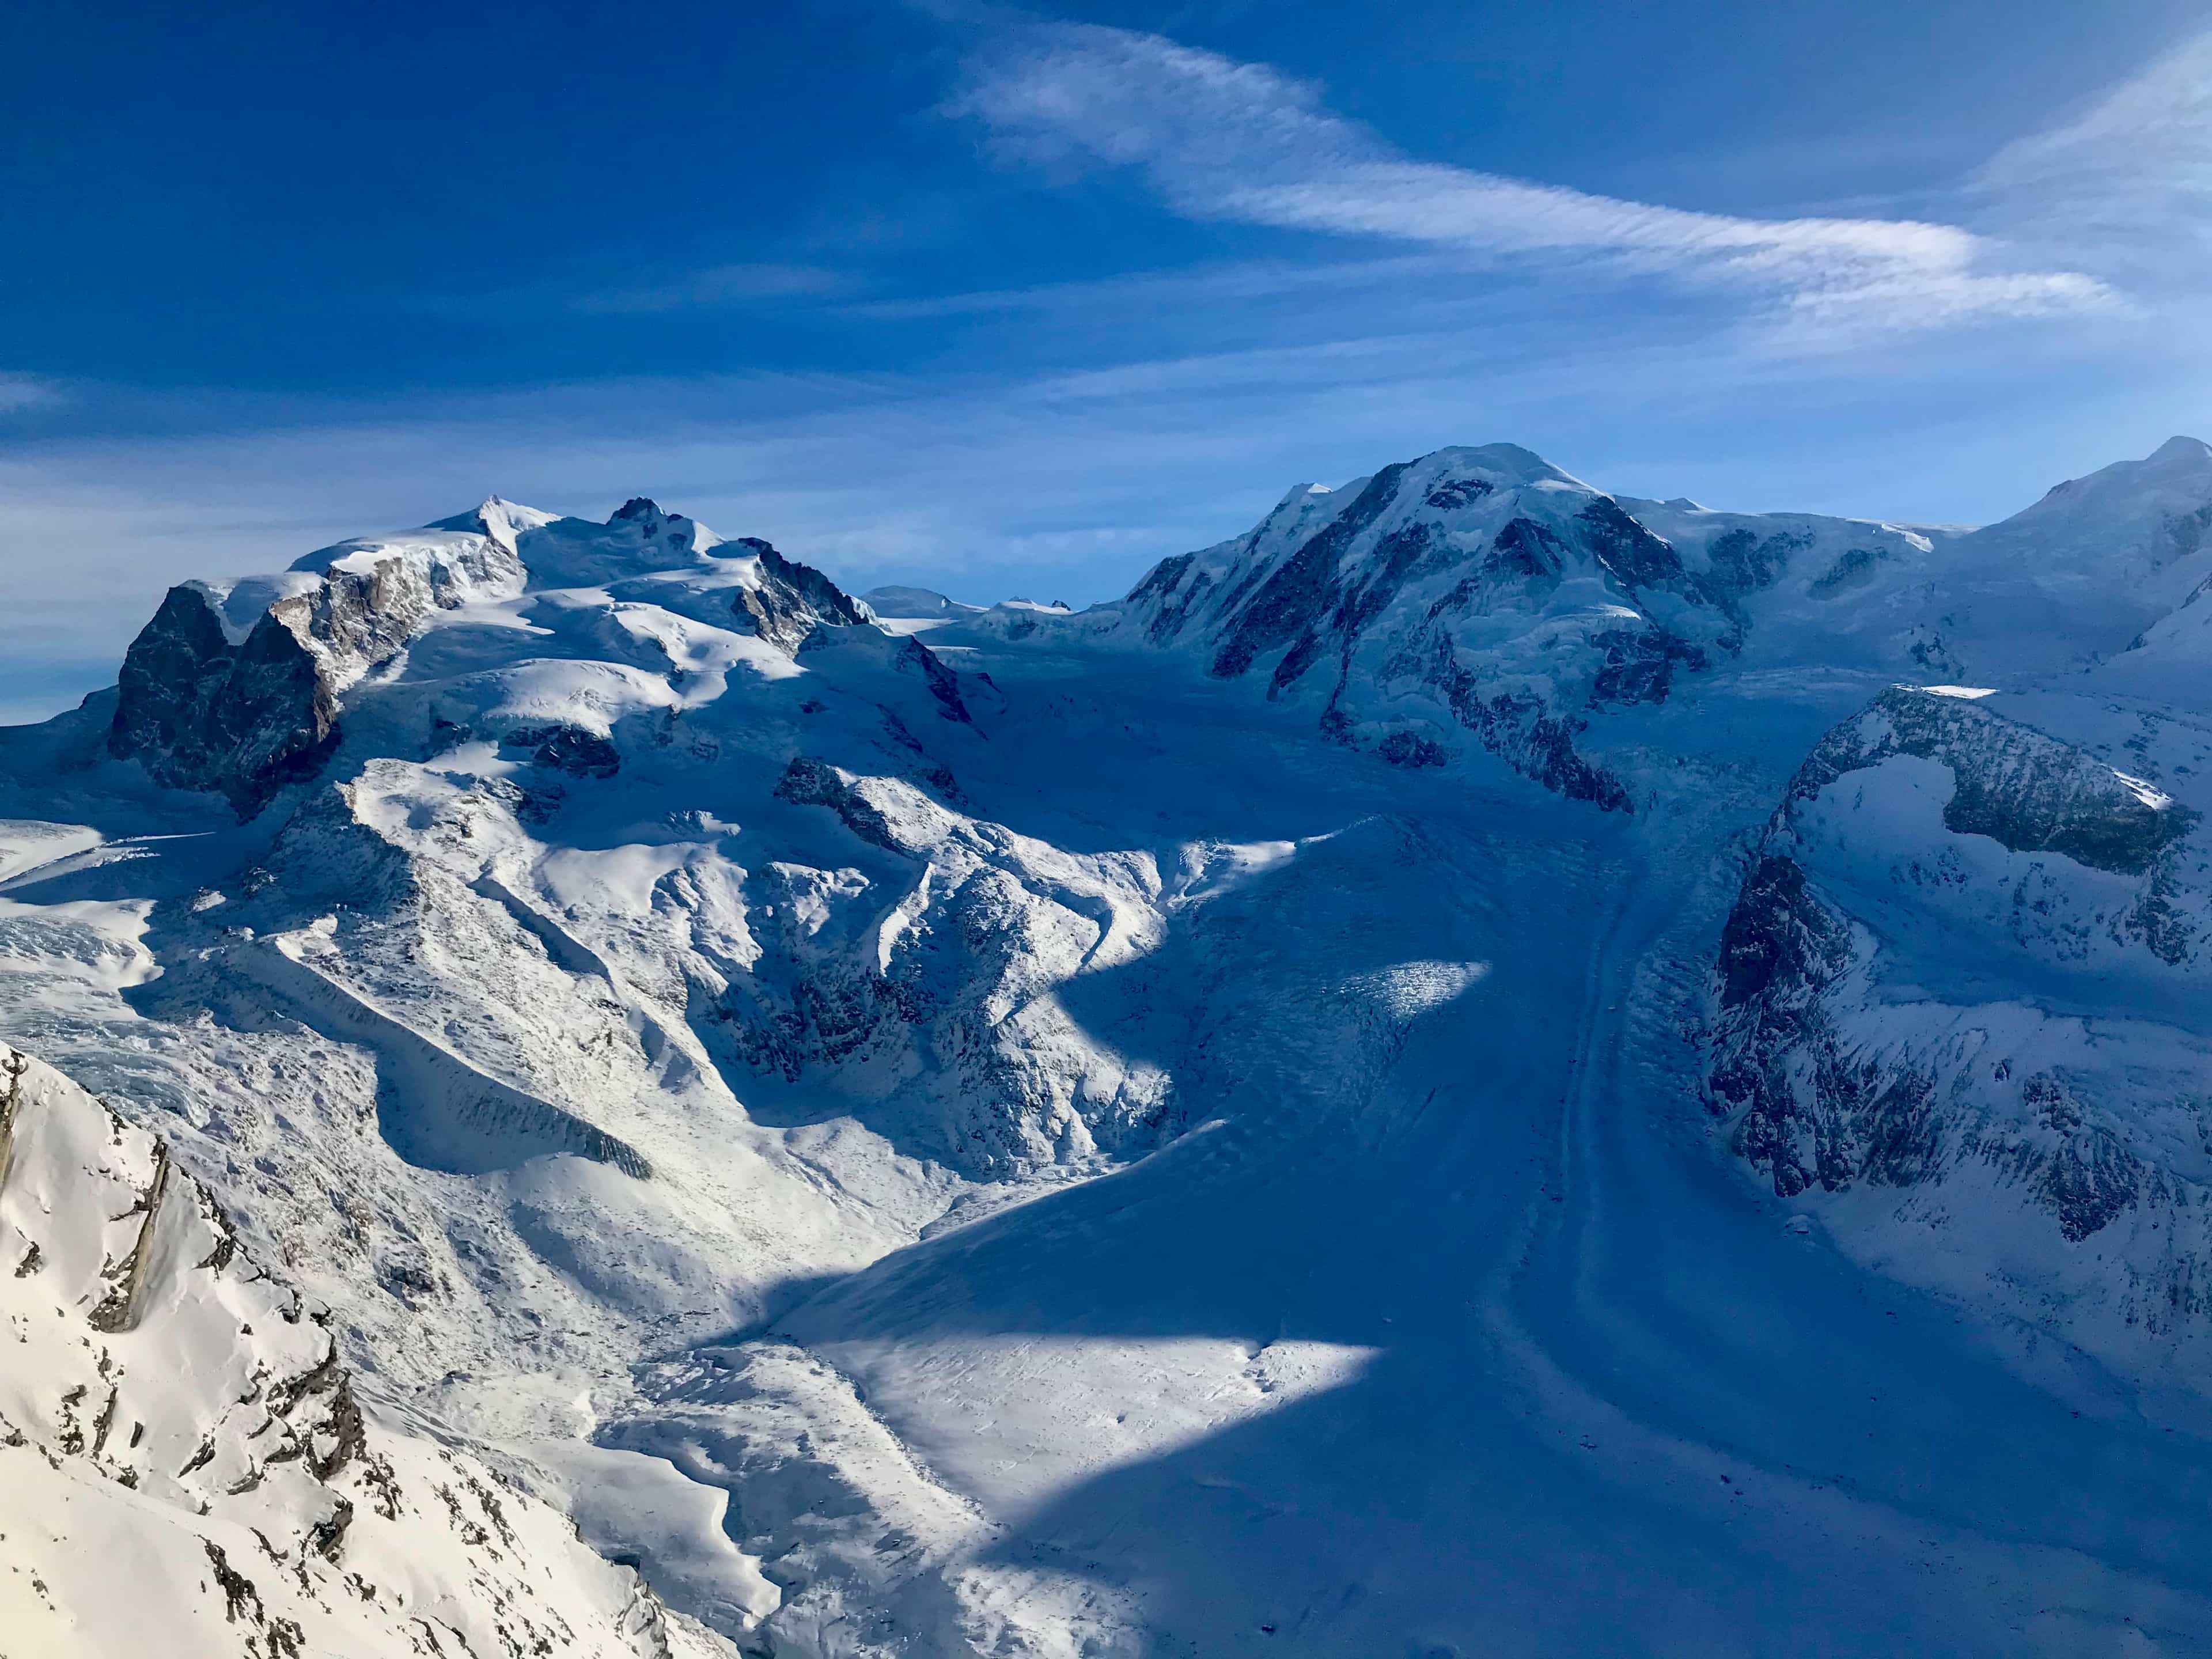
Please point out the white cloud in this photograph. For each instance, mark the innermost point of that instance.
(25, 392)
(1239, 141)
(2129, 181)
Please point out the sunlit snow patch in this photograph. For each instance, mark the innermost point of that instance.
(1016, 1420)
(76, 957)
(633, 1507)
(1213, 867)
(2145, 791)
(27, 845)
(239, 605)
(1412, 988)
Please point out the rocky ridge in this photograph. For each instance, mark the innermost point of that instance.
(1961, 978)
(236, 690)
(1482, 593)
(167, 1402)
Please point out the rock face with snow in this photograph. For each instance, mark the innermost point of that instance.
(1959, 998)
(792, 600)
(1966, 976)
(947, 1000)
(1484, 591)
(188, 1469)
(237, 689)
(203, 714)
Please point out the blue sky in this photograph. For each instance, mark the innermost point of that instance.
(1012, 300)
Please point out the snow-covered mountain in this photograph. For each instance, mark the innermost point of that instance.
(1478, 1027)
(1484, 593)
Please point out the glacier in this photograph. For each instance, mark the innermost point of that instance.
(1484, 1068)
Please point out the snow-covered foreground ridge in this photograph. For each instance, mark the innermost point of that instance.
(1478, 1026)
(188, 1470)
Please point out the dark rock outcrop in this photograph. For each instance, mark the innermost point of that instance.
(1853, 567)
(1839, 1070)
(1632, 553)
(915, 658)
(792, 599)
(1777, 1066)
(1303, 588)
(1639, 664)
(2025, 790)
(809, 782)
(241, 720)
(563, 748)
(1741, 562)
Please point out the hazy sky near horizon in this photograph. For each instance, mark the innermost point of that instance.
(1003, 299)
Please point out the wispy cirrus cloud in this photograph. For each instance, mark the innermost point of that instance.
(1239, 142)
(719, 286)
(19, 392)
(2128, 180)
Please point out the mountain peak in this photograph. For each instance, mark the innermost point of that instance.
(915, 603)
(2178, 452)
(1508, 464)
(2176, 476)
(501, 521)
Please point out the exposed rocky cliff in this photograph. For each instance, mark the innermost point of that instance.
(236, 690)
(793, 599)
(1964, 977)
(203, 712)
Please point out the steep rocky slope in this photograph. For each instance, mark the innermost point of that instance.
(1958, 1000)
(235, 689)
(1961, 1005)
(188, 1467)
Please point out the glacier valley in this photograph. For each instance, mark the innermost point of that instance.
(1484, 1069)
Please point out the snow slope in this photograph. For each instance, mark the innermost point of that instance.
(189, 1470)
(1182, 1128)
